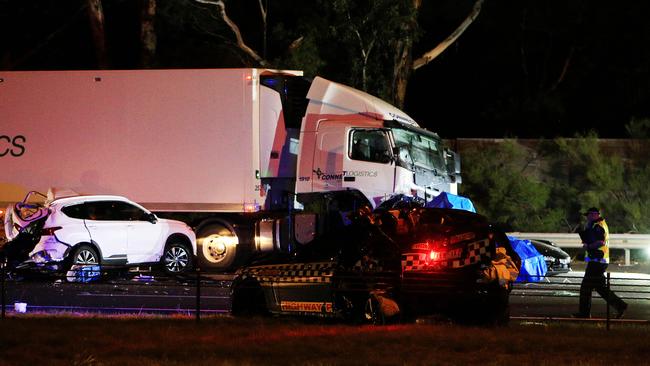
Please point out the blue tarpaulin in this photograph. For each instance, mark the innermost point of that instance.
(448, 200)
(83, 273)
(533, 266)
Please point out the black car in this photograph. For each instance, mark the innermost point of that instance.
(412, 261)
(557, 260)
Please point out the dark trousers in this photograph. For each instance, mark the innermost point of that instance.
(595, 280)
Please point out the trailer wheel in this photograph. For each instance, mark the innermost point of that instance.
(217, 246)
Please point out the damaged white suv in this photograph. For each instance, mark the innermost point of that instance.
(100, 230)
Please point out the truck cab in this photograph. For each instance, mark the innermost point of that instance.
(352, 140)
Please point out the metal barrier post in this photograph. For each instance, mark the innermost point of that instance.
(198, 294)
(609, 291)
(2, 287)
(627, 257)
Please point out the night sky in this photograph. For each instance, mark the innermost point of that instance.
(526, 68)
(505, 77)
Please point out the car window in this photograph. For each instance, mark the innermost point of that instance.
(370, 145)
(126, 211)
(75, 211)
(114, 211)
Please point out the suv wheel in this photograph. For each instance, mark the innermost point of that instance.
(177, 258)
(84, 265)
(85, 255)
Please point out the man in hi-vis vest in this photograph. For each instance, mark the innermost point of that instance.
(595, 241)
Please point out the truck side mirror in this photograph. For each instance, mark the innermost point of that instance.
(453, 164)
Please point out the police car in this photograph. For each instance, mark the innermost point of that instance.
(379, 267)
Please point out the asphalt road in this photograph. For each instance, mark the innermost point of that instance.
(136, 294)
(558, 296)
(553, 297)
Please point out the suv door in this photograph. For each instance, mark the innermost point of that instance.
(107, 231)
(145, 239)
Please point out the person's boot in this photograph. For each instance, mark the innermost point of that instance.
(621, 311)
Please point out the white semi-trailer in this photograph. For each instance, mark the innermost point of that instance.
(227, 150)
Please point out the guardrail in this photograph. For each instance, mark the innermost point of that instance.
(572, 240)
(633, 288)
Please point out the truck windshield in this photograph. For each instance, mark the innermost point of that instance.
(419, 150)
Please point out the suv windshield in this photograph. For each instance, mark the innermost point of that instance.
(419, 150)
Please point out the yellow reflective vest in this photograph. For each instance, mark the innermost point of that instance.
(601, 254)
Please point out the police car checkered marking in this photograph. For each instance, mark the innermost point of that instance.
(414, 261)
(475, 251)
(298, 273)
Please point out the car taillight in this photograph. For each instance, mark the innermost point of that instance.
(433, 255)
(50, 230)
(438, 256)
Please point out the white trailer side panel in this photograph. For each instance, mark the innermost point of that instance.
(169, 139)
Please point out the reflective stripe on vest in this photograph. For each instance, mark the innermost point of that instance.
(603, 248)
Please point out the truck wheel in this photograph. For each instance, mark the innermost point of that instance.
(177, 258)
(217, 247)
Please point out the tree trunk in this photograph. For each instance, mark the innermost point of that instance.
(435, 52)
(403, 61)
(148, 33)
(235, 29)
(96, 20)
(263, 12)
(401, 71)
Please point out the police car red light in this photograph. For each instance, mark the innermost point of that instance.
(433, 255)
